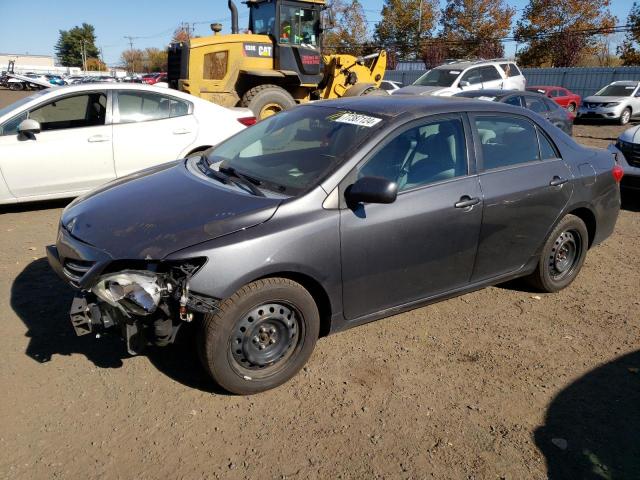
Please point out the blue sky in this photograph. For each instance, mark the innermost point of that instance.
(32, 26)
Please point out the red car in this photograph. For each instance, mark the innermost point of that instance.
(561, 96)
(153, 78)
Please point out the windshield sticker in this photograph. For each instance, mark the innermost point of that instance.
(454, 72)
(629, 88)
(356, 119)
(487, 99)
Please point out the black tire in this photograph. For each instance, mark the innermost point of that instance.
(16, 86)
(562, 256)
(267, 100)
(625, 116)
(260, 337)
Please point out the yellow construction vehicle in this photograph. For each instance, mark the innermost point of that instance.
(276, 64)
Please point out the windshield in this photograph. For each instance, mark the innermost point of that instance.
(18, 103)
(262, 18)
(617, 91)
(294, 150)
(438, 77)
(299, 26)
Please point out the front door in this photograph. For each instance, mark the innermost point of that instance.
(525, 185)
(425, 242)
(72, 153)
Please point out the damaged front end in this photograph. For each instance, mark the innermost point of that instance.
(147, 300)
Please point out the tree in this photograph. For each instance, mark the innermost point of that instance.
(629, 53)
(96, 65)
(181, 34)
(350, 31)
(155, 60)
(473, 28)
(559, 33)
(133, 59)
(73, 43)
(402, 29)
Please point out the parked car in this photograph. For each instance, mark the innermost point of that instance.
(390, 85)
(64, 141)
(629, 144)
(454, 77)
(618, 101)
(563, 97)
(73, 79)
(533, 101)
(327, 216)
(152, 78)
(55, 79)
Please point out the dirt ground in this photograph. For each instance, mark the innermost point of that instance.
(501, 383)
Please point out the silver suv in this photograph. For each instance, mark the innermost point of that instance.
(463, 75)
(617, 101)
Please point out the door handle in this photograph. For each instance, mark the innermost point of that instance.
(466, 201)
(98, 138)
(181, 131)
(557, 181)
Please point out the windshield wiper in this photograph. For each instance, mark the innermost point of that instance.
(244, 179)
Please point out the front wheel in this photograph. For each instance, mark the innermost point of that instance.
(625, 116)
(562, 256)
(16, 86)
(260, 337)
(267, 100)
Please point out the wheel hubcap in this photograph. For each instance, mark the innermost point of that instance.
(625, 116)
(564, 255)
(265, 336)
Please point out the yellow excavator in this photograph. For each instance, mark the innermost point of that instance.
(276, 64)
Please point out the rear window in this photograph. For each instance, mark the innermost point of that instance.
(510, 69)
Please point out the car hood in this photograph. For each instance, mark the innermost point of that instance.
(157, 211)
(631, 135)
(596, 99)
(418, 90)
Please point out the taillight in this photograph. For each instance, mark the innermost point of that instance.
(247, 121)
(617, 173)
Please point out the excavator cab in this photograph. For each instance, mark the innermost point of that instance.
(295, 29)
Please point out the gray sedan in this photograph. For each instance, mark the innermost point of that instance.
(328, 216)
(618, 101)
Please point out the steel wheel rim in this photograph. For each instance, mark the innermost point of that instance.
(565, 255)
(264, 338)
(269, 110)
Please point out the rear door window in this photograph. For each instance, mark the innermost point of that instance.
(514, 100)
(510, 69)
(536, 104)
(490, 73)
(143, 107)
(506, 141)
(547, 149)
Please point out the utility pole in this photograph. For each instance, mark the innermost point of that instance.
(419, 28)
(84, 55)
(133, 58)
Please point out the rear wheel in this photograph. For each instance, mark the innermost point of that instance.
(562, 256)
(267, 100)
(571, 107)
(625, 116)
(260, 337)
(16, 86)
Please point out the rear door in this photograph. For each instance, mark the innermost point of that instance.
(149, 129)
(525, 185)
(491, 77)
(73, 152)
(425, 242)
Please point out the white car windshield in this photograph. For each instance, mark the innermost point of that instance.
(617, 91)
(438, 77)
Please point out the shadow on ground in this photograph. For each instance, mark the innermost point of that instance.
(42, 302)
(592, 427)
(630, 200)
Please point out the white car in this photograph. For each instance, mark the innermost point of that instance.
(62, 142)
(463, 75)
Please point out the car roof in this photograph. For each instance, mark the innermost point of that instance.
(625, 82)
(498, 93)
(462, 64)
(399, 105)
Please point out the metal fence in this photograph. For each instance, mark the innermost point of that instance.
(583, 81)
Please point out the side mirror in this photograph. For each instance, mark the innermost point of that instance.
(28, 128)
(372, 190)
(327, 22)
(464, 83)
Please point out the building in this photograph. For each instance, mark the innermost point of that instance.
(26, 61)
